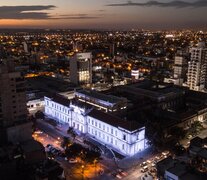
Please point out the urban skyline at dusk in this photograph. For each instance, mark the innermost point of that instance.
(107, 14)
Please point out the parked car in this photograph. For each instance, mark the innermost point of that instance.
(119, 176)
(144, 169)
(143, 164)
(73, 160)
(122, 172)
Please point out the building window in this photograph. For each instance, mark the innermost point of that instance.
(99, 125)
(137, 136)
(107, 129)
(112, 131)
(124, 137)
(122, 146)
(104, 127)
(111, 140)
(107, 139)
(99, 134)
(88, 121)
(92, 122)
(103, 136)
(96, 124)
(116, 133)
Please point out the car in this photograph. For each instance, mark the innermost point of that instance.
(148, 161)
(48, 146)
(144, 169)
(119, 176)
(153, 164)
(122, 172)
(189, 136)
(165, 153)
(38, 132)
(73, 160)
(143, 164)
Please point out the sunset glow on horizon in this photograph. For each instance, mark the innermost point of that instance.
(103, 14)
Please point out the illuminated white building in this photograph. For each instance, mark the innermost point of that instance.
(81, 68)
(127, 138)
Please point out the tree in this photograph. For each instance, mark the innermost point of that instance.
(65, 142)
(39, 115)
(177, 133)
(71, 132)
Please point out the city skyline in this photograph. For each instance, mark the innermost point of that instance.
(113, 14)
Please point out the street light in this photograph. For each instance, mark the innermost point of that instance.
(95, 161)
(82, 171)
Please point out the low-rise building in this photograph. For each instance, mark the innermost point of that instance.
(127, 138)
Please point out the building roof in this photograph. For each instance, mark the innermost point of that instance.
(100, 96)
(179, 169)
(114, 121)
(60, 99)
(203, 153)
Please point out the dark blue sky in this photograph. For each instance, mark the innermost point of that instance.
(158, 14)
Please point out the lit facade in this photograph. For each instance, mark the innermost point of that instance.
(81, 68)
(197, 72)
(127, 139)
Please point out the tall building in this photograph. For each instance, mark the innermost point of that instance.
(25, 47)
(197, 68)
(13, 110)
(81, 68)
(180, 67)
(112, 49)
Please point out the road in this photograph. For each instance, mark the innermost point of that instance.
(53, 136)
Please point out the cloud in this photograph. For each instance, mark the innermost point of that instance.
(25, 12)
(38, 12)
(78, 16)
(176, 4)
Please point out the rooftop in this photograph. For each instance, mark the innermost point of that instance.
(178, 169)
(114, 121)
(97, 95)
(59, 99)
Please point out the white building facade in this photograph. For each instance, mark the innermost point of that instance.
(117, 134)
